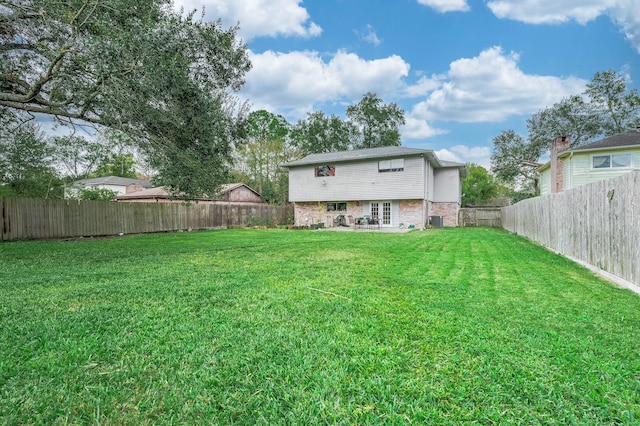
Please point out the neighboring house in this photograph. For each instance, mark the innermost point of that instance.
(400, 186)
(116, 184)
(610, 157)
(229, 193)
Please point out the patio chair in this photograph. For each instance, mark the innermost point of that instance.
(351, 222)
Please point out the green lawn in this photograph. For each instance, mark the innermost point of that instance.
(455, 326)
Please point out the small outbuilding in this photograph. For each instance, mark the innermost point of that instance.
(238, 193)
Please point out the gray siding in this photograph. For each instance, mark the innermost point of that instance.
(430, 185)
(359, 181)
(447, 185)
(545, 180)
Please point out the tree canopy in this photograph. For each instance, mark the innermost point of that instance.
(132, 65)
(26, 165)
(320, 133)
(378, 122)
(479, 187)
(265, 146)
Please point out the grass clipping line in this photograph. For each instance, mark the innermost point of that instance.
(328, 292)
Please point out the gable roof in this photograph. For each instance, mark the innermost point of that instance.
(626, 139)
(113, 180)
(228, 187)
(364, 154)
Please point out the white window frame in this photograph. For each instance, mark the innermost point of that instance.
(628, 165)
(392, 165)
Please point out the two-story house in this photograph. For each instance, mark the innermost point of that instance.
(604, 159)
(398, 185)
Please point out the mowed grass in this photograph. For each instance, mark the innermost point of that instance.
(455, 326)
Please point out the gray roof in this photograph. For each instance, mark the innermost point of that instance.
(364, 154)
(113, 180)
(161, 192)
(626, 139)
(445, 163)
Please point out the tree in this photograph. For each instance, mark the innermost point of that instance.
(479, 187)
(78, 156)
(605, 108)
(378, 123)
(97, 194)
(130, 65)
(259, 156)
(26, 164)
(572, 116)
(122, 165)
(513, 160)
(618, 109)
(320, 133)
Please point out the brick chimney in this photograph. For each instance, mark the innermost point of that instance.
(558, 146)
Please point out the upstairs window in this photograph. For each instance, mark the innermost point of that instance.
(322, 171)
(395, 165)
(611, 161)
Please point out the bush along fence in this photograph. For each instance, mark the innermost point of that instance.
(41, 219)
(598, 224)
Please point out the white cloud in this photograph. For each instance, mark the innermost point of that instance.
(296, 81)
(625, 13)
(416, 128)
(369, 35)
(423, 86)
(443, 6)
(549, 11)
(480, 155)
(257, 17)
(490, 88)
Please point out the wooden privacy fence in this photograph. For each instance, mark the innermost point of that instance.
(38, 219)
(598, 223)
(480, 216)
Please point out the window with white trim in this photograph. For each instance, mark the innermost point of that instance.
(336, 207)
(394, 165)
(610, 161)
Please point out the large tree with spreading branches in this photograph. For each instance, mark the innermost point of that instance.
(164, 78)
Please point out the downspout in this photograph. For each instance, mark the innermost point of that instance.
(424, 191)
(570, 170)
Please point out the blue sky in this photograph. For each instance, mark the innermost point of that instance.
(462, 70)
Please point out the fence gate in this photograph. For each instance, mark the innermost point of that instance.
(480, 216)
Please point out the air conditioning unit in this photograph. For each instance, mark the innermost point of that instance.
(436, 221)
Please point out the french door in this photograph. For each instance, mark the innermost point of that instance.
(381, 210)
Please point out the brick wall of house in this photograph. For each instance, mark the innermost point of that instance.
(411, 213)
(448, 211)
(308, 213)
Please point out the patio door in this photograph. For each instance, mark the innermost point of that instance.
(381, 210)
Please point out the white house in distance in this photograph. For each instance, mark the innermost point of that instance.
(117, 184)
(605, 159)
(397, 185)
